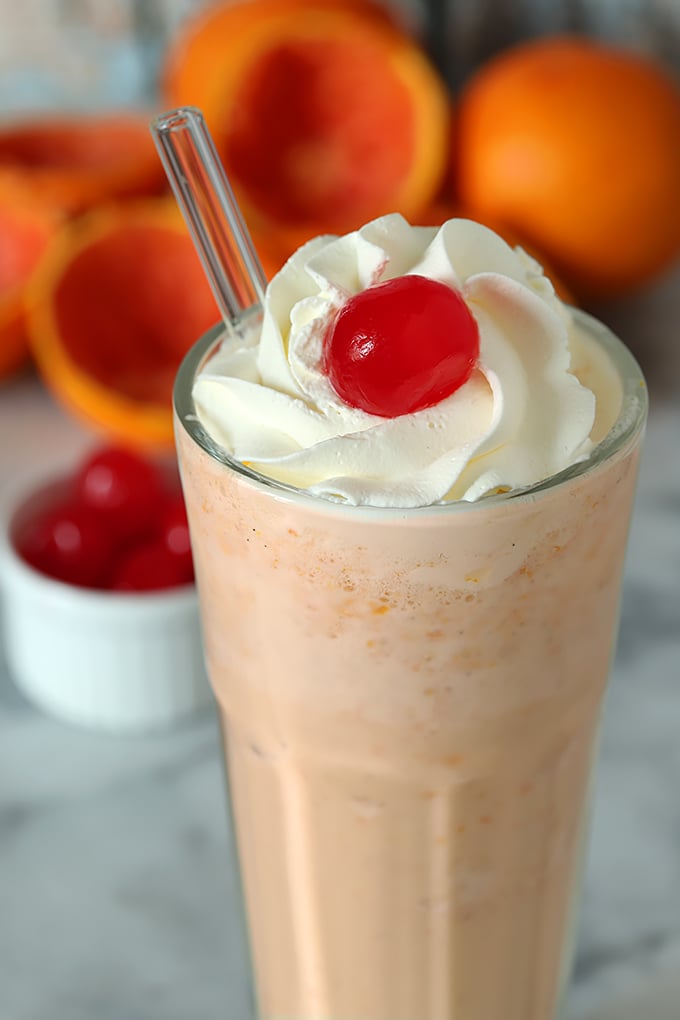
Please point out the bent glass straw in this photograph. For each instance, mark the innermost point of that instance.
(211, 211)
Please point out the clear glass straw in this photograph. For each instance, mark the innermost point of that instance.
(213, 217)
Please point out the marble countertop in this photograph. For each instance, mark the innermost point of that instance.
(115, 898)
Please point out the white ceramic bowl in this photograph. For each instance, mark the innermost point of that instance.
(113, 661)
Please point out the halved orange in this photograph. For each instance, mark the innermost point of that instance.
(325, 115)
(115, 304)
(75, 162)
(26, 227)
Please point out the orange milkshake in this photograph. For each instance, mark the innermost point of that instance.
(410, 693)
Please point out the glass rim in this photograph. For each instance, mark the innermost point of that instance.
(628, 425)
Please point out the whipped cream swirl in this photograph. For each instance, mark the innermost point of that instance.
(520, 417)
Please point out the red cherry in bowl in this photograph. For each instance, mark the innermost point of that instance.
(149, 567)
(118, 522)
(175, 532)
(401, 346)
(123, 488)
(67, 542)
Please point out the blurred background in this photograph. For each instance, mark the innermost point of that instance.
(84, 54)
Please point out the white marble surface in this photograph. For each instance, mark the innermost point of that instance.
(116, 901)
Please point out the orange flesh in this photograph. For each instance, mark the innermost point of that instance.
(22, 242)
(118, 315)
(61, 145)
(286, 149)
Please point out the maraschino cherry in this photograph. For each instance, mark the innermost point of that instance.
(122, 526)
(69, 543)
(149, 567)
(123, 487)
(401, 346)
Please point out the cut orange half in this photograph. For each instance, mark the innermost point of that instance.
(115, 304)
(325, 115)
(26, 227)
(75, 162)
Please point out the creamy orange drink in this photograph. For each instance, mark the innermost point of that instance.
(409, 488)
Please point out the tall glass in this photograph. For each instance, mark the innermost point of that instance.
(410, 701)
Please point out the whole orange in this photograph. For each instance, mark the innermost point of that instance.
(576, 147)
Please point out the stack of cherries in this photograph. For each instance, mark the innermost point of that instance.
(120, 525)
